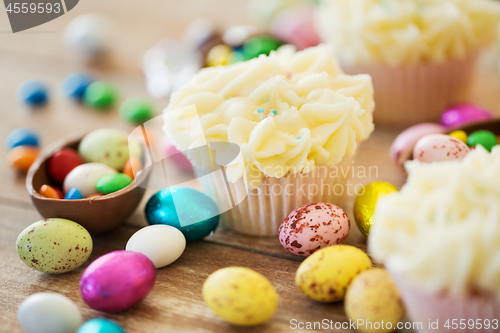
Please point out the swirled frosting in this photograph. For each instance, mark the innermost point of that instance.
(397, 32)
(288, 112)
(442, 230)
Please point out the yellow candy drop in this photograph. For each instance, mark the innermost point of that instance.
(373, 301)
(218, 55)
(325, 275)
(364, 205)
(240, 296)
(460, 135)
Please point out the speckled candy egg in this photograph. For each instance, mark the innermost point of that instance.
(117, 281)
(240, 296)
(439, 148)
(313, 227)
(373, 297)
(325, 275)
(109, 146)
(48, 313)
(54, 245)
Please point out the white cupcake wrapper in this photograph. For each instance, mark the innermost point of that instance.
(425, 308)
(261, 211)
(409, 95)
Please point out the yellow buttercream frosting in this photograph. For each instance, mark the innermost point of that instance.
(401, 32)
(441, 232)
(288, 112)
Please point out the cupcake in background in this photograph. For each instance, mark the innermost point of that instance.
(420, 53)
(297, 119)
(439, 237)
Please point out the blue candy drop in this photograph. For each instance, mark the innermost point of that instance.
(22, 136)
(33, 93)
(194, 213)
(73, 194)
(100, 325)
(74, 85)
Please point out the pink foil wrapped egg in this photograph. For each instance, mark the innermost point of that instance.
(462, 114)
(312, 227)
(117, 281)
(402, 147)
(439, 148)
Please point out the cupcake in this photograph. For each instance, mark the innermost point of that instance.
(297, 120)
(439, 237)
(420, 53)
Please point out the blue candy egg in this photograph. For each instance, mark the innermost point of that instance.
(33, 93)
(74, 85)
(100, 325)
(190, 211)
(22, 136)
(73, 194)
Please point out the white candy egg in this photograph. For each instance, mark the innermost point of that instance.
(439, 148)
(84, 177)
(162, 244)
(49, 313)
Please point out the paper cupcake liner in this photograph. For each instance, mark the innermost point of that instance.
(260, 211)
(427, 308)
(409, 95)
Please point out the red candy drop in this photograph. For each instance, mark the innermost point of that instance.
(62, 162)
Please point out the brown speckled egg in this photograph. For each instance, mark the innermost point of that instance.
(54, 245)
(313, 227)
(439, 148)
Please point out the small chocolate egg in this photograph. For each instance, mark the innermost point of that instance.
(402, 147)
(54, 245)
(100, 325)
(109, 146)
(439, 148)
(459, 115)
(484, 138)
(62, 162)
(49, 313)
(325, 275)
(365, 202)
(117, 281)
(312, 227)
(240, 296)
(84, 178)
(373, 297)
(162, 244)
(194, 213)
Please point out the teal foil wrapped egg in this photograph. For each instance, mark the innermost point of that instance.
(190, 211)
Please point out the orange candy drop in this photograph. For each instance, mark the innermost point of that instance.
(133, 165)
(22, 157)
(51, 192)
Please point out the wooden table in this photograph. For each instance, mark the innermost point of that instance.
(175, 304)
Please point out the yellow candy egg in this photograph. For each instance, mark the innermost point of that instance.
(218, 55)
(364, 205)
(240, 296)
(460, 135)
(373, 301)
(54, 245)
(325, 275)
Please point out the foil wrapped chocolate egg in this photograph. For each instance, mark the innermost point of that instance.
(366, 201)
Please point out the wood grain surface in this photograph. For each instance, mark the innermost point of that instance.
(175, 304)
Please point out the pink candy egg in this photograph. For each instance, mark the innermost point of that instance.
(438, 148)
(295, 25)
(176, 156)
(117, 281)
(313, 227)
(462, 114)
(402, 147)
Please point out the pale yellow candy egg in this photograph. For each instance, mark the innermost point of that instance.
(240, 296)
(373, 301)
(325, 275)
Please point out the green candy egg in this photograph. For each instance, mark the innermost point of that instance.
(54, 245)
(136, 111)
(109, 146)
(111, 183)
(255, 46)
(484, 138)
(100, 95)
